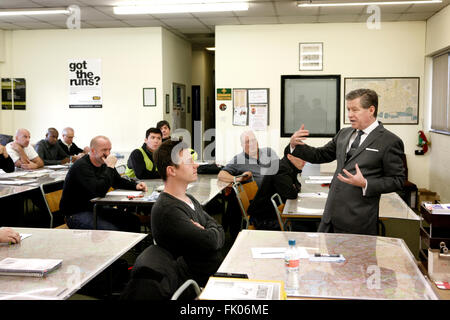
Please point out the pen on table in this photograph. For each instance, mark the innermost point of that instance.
(324, 255)
(272, 252)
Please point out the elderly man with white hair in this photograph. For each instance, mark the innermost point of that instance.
(251, 162)
(69, 147)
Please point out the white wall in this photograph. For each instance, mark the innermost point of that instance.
(177, 68)
(256, 56)
(438, 39)
(131, 60)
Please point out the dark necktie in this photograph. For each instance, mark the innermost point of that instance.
(355, 144)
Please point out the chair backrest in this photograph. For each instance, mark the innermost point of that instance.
(243, 201)
(157, 275)
(278, 206)
(251, 188)
(52, 200)
(5, 139)
(121, 169)
(184, 286)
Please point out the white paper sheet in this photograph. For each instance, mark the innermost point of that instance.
(126, 193)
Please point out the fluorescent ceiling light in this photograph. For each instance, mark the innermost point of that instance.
(179, 8)
(211, 49)
(30, 12)
(340, 4)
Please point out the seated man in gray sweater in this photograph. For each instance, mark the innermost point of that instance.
(178, 221)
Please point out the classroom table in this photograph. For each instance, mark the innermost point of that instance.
(204, 190)
(85, 254)
(374, 268)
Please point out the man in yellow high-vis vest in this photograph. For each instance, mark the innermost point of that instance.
(140, 163)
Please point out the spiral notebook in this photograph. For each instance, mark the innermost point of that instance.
(28, 267)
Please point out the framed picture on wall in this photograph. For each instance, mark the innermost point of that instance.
(311, 56)
(311, 100)
(398, 98)
(149, 97)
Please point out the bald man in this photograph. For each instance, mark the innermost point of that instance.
(91, 177)
(69, 147)
(49, 150)
(22, 154)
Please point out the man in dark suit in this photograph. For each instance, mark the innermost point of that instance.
(369, 163)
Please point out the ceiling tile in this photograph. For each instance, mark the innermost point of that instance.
(388, 17)
(415, 16)
(57, 3)
(92, 13)
(143, 23)
(290, 9)
(108, 24)
(263, 9)
(37, 25)
(432, 7)
(14, 4)
(258, 20)
(342, 10)
(196, 30)
(298, 19)
(183, 23)
(220, 21)
(338, 18)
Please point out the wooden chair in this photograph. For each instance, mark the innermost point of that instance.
(52, 199)
(244, 203)
(278, 206)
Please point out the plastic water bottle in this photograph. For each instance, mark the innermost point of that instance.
(291, 262)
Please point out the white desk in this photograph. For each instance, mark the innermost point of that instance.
(85, 253)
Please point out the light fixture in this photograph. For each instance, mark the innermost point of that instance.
(211, 48)
(30, 12)
(193, 6)
(341, 4)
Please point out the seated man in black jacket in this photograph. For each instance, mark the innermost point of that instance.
(140, 163)
(179, 223)
(49, 150)
(91, 177)
(285, 183)
(69, 147)
(6, 163)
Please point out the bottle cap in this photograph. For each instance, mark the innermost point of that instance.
(291, 242)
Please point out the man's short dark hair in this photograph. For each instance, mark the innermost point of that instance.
(162, 123)
(368, 98)
(163, 155)
(152, 130)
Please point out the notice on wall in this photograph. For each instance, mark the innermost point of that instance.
(258, 117)
(85, 83)
(13, 93)
(7, 95)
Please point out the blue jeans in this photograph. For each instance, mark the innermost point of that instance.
(107, 219)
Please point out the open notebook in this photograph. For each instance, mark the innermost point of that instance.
(28, 267)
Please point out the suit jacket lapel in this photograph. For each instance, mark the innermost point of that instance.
(346, 139)
(370, 138)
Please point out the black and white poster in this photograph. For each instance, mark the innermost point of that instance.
(85, 83)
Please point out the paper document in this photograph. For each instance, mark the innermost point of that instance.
(18, 182)
(276, 253)
(242, 289)
(28, 267)
(57, 166)
(125, 193)
(320, 177)
(313, 195)
(12, 174)
(23, 236)
(153, 197)
(318, 181)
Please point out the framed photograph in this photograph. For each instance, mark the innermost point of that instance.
(313, 101)
(167, 103)
(149, 97)
(311, 56)
(398, 98)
